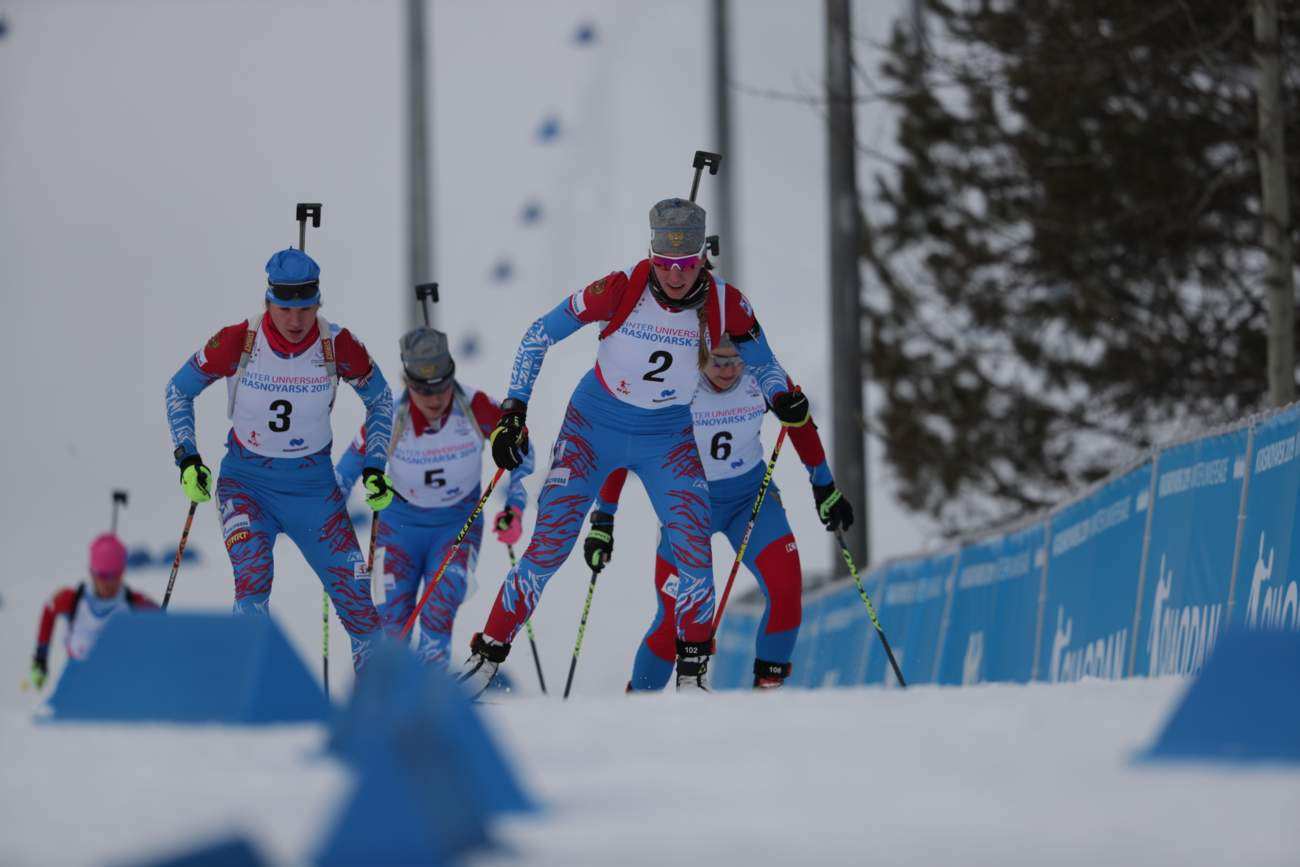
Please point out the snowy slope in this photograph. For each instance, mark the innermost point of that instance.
(997, 775)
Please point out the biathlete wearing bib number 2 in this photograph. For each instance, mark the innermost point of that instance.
(282, 368)
(436, 464)
(631, 410)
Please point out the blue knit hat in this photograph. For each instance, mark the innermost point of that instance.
(296, 276)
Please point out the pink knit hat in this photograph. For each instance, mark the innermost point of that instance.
(107, 557)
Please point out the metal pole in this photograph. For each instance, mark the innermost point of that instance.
(1275, 235)
(724, 220)
(420, 260)
(847, 376)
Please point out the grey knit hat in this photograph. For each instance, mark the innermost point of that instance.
(676, 228)
(426, 358)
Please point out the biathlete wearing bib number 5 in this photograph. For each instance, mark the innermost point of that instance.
(282, 368)
(436, 465)
(631, 410)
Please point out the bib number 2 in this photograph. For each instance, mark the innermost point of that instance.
(664, 360)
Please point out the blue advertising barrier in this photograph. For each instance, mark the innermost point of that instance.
(733, 664)
(1095, 555)
(840, 655)
(810, 633)
(1189, 559)
(1265, 595)
(911, 608)
(994, 610)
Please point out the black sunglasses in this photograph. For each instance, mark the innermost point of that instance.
(429, 388)
(295, 291)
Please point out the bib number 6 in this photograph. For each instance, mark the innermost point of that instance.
(720, 446)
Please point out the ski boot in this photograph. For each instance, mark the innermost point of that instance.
(693, 665)
(486, 656)
(770, 675)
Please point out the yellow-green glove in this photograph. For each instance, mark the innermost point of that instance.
(379, 489)
(196, 479)
(37, 677)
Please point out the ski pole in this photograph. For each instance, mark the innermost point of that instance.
(119, 498)
(528, 626)
(325, 641)
(582, 627)
(749, 528)
(871, 609)
(180, 549)
(460, 537)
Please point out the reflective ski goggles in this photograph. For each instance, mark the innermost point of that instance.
(429, 389)
(685, 263)
(725, 361)
(294, 291)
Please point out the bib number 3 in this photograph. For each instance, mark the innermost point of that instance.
(282, 409)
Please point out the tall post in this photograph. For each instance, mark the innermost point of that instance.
(847, 377)
(1275, 233)
(420, 239)
(724, 221)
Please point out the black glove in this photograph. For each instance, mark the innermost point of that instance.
(833, 510)
(791, 407)
(598, 547)
(510, 437)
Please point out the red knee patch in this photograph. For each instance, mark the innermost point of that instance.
(778, 564)
(663, 641)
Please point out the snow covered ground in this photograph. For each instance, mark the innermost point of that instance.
(979, 775)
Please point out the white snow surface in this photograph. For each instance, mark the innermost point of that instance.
(992, 774)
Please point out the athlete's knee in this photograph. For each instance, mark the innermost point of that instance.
(781, 578)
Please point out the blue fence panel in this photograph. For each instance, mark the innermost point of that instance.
(1092, 577)
(806, 648)
(911, 611)
(1266, 595)
(1189, 556)
(994, 610)
(841, 647)
(733, 665)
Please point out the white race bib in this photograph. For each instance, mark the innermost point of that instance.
(728, 428)
(282, 405)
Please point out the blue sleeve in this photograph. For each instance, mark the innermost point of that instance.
(374, 393)
(349, 466)
(515, 494)
(763, 365)
(820, 474)
(182, 388)
(599, 505)
(541, 335)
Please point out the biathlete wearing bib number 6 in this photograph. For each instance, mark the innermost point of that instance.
(436, 464)
(631, 410)
(728, 412)
(282, 369)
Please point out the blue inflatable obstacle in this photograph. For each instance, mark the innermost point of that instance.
(231, 852)
(430, 776)
(190, 668)
(1244, 706)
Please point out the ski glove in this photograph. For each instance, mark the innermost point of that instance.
(508, 525)
(379, 489)
(37, 677)
(196, 479)
(791, 407)
(598, 547)
(833, 510)
(510, 437)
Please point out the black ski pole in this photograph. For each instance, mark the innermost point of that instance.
(871, 609)
(702, 160)
(119, 499)
(180, 549)
(582, 627)
(528, 627)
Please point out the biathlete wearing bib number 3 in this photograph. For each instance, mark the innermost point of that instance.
(436, 465)
(282, 369)
(631, 410)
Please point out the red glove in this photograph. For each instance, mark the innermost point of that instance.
(508, 525)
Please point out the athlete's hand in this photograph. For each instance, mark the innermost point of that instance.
(508, 525)
(832, 508)
(598, 547)
(510, 437)
(37, 677)
(791, 407)
(196, 479)
(379, 489)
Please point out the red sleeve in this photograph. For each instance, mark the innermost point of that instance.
(60, 603)
(600, 299)
(220, 355)
(740, 315)
(139, 600)
(486, 412)
(351, 356)
(612, 489)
